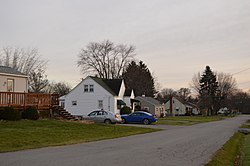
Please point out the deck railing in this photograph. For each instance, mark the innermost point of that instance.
(23, 100)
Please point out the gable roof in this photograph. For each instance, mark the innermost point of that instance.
(150, 100)
(111, 85)
(128, 92)
(185, 102)
(11, 71)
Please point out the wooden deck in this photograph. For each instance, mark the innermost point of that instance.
(23, 100)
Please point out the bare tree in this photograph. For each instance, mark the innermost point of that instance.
(24, 60)
(240, 101)
(38, 81)
(226, 87)
(60, 88)
(105, 59)
(27, 61)
(184, 93)
(227, 84)
(164, 94)
(195, 83)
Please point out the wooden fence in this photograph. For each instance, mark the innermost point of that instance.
(23, 100)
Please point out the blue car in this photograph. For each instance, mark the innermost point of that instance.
(139, 117)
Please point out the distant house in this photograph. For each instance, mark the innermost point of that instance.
(151, 105)
(12, 80)
(180, 107)
(94, 93)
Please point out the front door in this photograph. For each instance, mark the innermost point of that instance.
(10, 85)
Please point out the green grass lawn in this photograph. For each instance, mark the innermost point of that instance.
(25, 134)
(245, 148)
(245, 156)
(229, 154)
(188, 120)
(236, 152)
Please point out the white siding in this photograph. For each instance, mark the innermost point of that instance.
(195, 111)
(126, 99)
(122, 90)
(62, 101)
(20, 83)
(116, 110)
(88, 101)
(177, 105)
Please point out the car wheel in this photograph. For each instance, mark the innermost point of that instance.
(123, 121)
(107, 121)
(146, 121)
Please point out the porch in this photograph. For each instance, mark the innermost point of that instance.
(24, 100)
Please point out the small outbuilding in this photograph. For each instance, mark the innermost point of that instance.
(12, 80)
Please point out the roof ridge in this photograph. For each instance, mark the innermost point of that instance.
(111, 85)
(10, 70)
(145, 99)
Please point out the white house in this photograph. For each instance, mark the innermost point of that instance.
(180, 107)
(12, 80)
(94, 93)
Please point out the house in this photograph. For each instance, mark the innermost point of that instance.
(177, 106)
(151, 105)
(95, 93)
(12, 80)
(14, 92)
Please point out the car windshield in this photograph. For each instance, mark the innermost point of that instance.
(92, 113)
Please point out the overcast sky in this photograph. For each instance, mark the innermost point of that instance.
(175, 38)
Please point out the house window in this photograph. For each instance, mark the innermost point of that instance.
(74, 103)
(86, 88)
(62, 104)
(91, 88)
(100, 104)
(10, 85)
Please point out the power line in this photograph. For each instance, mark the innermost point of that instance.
(242, 83)
(241, 71)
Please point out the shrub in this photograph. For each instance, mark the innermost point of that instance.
(125, 110)
(137, 108)
(44, 113)
(162, 115)
(30, 113)
(10, 113)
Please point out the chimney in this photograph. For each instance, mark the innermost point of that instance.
(171, 105)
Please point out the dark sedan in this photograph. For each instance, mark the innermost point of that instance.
(139, 117)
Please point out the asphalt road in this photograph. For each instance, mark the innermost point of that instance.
(174, 146)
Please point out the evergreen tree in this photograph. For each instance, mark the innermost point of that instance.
(209, 91)
(139, 78)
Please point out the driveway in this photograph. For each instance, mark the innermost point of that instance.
(176, 146)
